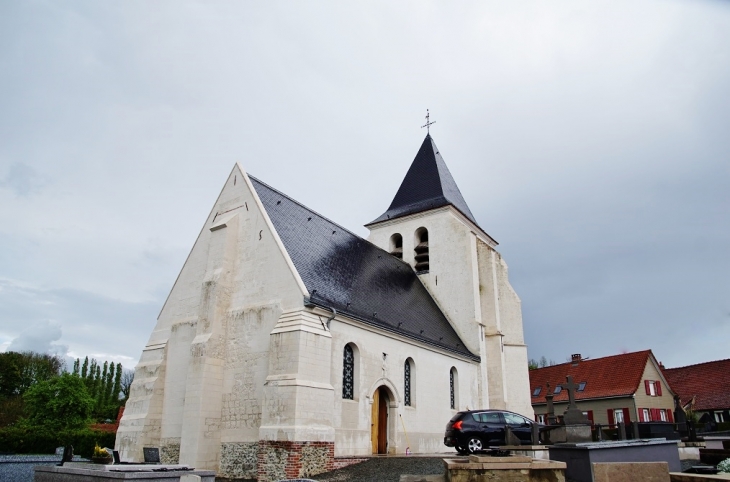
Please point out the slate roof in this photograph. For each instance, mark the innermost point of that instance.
(427, 185)
(352, 275)
(611, 376)
(708, 382)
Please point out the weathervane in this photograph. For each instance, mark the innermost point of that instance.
(428, 123)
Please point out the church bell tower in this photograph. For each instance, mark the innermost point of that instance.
(430, 227)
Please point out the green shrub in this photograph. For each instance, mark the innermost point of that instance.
(723, 427)
(61, 403)
(43, 440)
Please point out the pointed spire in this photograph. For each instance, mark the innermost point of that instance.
(427, 185)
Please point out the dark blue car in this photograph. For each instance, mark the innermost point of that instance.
(476, 430)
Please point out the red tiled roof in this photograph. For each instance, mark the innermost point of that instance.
(708, 382)
(611, 376)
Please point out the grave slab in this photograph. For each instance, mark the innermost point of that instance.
(579, 457)
(630, 471)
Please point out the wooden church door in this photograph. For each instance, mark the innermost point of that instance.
(379, 421)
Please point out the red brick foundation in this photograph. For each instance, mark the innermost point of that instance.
(291, 460)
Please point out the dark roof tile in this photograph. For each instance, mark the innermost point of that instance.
(427, 185)
(352, 275)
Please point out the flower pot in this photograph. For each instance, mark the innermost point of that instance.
(102, 460)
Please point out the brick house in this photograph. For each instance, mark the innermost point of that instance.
(619, 388)
(705, 387)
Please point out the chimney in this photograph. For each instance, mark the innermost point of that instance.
(575, 359)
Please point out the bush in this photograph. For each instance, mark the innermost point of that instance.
(43, 440)
(61, 403)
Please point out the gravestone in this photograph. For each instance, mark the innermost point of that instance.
(151, 455)
(573, 415)
(576, 427)
(551, 420)
(68, 455)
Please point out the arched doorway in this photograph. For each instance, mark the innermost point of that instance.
(379, 420)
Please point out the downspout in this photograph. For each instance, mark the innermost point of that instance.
(310, 304)
(334, 313)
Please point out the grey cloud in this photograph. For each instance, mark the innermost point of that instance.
(83, 323)
(40, 338)
(21, 179)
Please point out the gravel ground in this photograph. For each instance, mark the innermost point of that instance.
(689, 463)
(385, 469)
(380, 469)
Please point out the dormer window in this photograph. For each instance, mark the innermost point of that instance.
(396, 246)
(421, 250)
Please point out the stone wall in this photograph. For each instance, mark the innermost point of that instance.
(170, 450)
(278, 460)
(239, 460)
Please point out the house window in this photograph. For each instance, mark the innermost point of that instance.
(537, 391)
(541, 418)
(663, 415)
(558, 389)
(421, 250)
(396, 245)
(454, 388)
(408, 369)
(348, 373)
(646, 415)
(618, 415)
(581, 386)
(719, 417)
(653, 388)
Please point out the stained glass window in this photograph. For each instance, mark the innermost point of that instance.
(451, 383)
(407, 387)
(348, 374)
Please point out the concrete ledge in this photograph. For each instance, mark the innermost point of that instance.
(680, 477)
(630, 471)
(534, 451)
(71, 474)
(512, 469)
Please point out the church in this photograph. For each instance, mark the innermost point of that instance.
(287, 340)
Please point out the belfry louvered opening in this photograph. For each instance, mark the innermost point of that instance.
(421, 250)
(396, 245)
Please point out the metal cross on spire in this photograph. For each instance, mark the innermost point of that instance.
(428, 123)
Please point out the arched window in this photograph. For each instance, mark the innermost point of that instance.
(396, 245)
(454, 388)
(421, 250)
(409, 382)
(348, 373)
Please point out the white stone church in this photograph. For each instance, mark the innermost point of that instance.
(287, 340)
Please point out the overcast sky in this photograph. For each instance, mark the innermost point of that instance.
(589, 138)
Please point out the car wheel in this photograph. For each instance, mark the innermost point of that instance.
(474, 445)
